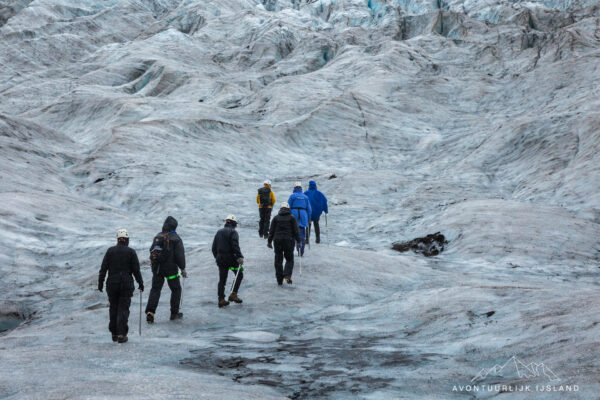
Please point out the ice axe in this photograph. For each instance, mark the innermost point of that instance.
(237, 272)
(140, 330)
(326, 230)
(182, 286)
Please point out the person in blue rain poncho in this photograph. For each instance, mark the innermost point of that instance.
(318, 204)
(301, 210)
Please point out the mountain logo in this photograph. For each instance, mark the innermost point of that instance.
(527, 371)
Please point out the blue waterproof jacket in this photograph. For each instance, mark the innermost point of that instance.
(318, 201)
(300, 207)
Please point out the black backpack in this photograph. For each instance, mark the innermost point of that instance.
(161, 249)
(264, 194)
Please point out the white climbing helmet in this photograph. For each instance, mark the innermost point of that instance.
(122, 233)
(298, 184)
(267, 182)
(284, 205)
(231, 217)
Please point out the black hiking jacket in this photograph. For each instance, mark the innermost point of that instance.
(226, 247)
(177, 256)
(284, 226)
(120, 262)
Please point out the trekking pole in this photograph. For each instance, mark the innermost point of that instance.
(308, 236)
(140, 330)
(300, 258)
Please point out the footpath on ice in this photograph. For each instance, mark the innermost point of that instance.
(353, 322)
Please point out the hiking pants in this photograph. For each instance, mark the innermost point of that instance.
(157, 283)
(283, 248)
(265, 221)
(223, 272)
(302, 230)
(317, 231)
(119, 297)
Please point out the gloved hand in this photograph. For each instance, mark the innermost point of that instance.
(100, 287)
(270, 245)
(240, 260)
(184, 273)
(141, 287)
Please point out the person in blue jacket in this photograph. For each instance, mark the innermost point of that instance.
(318, 204)
(301, 210)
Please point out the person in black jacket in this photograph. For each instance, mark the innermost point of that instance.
(169, 245)
(227, 253)
(284, 231)
(120, 262)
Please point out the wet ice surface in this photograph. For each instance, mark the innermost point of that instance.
(474, 119)
(9, 322)
(310, 368)
(408, 328)
(304, 349)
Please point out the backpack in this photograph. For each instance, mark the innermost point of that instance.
(161, 249)
(298, 208)
(264, 194)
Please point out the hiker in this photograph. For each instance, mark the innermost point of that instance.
(301, 210)
(318, 204)
(227, 253)
(167, 257)
(120, 262)
(265, 199)
(283, 233)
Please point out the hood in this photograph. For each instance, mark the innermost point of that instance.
(230, 225)
(312, 185)
(298, 190)
(170, 224)
(284, 211)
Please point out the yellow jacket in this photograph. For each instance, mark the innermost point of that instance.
(272, 199)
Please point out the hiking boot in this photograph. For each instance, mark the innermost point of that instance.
(280, 282)
(122, 338)
(115, 338)
(176, 316)
(234, 297)
(150, 317)
(318, 240)
(288, 280)
(223, 303)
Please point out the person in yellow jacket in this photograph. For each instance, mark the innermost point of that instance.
(265, 199)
